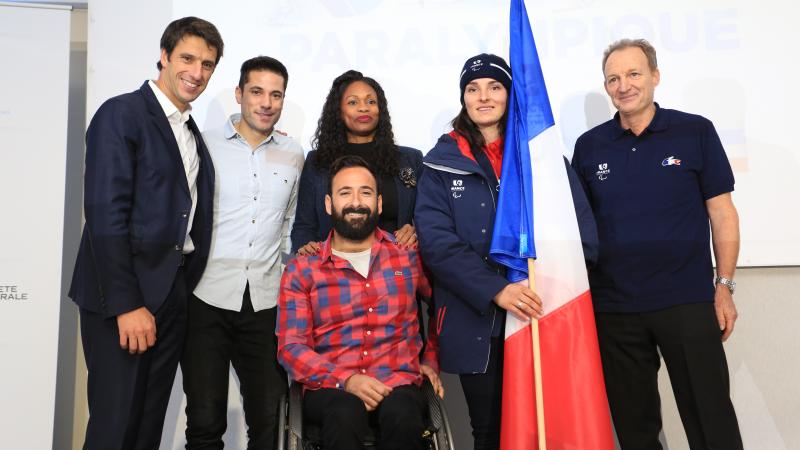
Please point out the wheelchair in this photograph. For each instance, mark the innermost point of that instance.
(294, 434)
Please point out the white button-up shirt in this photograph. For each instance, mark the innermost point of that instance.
(188, 148)
(255, 195)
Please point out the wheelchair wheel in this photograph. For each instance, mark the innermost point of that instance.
(440, 425)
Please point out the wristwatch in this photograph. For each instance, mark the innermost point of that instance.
(730, 284)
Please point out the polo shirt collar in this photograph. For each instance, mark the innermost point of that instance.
(659, 122)
(230, 130)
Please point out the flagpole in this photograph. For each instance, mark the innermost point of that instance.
(537, 366)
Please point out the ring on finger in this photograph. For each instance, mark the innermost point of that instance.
(519, 305)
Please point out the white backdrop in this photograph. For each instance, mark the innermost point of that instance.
(33, 140)
(716, 57)
(725, 59)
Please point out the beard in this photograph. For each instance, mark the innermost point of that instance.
(354, 229)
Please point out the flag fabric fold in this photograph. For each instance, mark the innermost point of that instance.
(534, 185)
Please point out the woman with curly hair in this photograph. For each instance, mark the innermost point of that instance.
(355, 121)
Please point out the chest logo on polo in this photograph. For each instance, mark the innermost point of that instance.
(457, 188)
(671, 161)
(603, 171)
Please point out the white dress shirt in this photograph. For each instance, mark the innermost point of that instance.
(188, 148)
(255, 195)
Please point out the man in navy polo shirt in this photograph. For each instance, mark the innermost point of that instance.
(656, 178)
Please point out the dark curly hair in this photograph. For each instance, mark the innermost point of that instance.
(330, 139)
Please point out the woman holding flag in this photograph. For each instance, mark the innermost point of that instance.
(454, 216)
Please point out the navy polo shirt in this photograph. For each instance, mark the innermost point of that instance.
(648, 196)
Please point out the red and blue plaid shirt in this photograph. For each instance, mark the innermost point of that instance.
(334, 323)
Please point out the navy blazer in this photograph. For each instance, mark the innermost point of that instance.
(312, 222)
(137, 206)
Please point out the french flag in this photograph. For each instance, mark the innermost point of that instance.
(536, 220)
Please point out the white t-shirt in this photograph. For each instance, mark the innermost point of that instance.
(359, 260)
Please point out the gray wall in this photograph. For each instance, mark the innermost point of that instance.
(68, 354)
(763, 362)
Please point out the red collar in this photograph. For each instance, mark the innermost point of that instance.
(493, 151)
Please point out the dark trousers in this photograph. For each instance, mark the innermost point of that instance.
(484, 395)
(215, 339)
(129, 394)
(345, 420)
(688, 338)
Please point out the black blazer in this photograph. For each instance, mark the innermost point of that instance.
(312, 222)
(137, 206)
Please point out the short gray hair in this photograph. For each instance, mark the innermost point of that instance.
(646, 47)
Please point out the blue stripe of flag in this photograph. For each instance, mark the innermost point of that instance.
(529, 114)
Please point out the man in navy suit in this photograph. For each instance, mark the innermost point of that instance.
(148, 202)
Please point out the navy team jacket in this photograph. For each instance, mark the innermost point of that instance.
(454, 216)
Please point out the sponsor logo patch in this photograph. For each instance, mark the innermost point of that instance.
(457, 188)
(602, 171)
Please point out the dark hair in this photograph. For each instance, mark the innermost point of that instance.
(464, 126)
(345, 162)
(266, 63)
(330, 139)
(190, 26)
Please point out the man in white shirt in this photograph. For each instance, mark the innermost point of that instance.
(148, 193)
(233, 308)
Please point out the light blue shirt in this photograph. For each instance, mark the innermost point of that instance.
(255, 195)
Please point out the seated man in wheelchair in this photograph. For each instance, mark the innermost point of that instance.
(348, 328)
